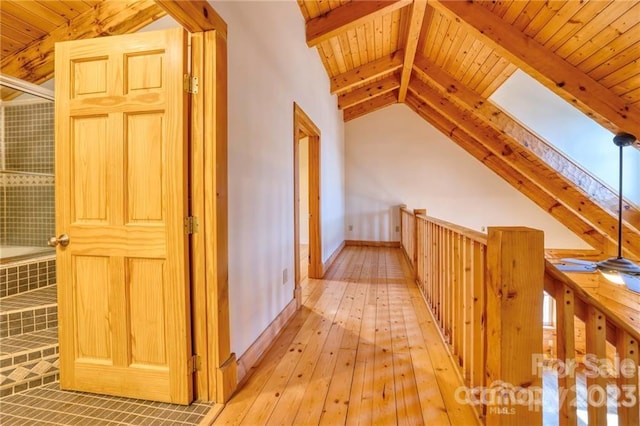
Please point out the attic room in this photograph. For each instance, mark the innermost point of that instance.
(374, 212)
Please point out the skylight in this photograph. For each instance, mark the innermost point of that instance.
(570, 131)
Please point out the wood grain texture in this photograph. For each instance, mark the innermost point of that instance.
(35, 62)
(348, 16)
(496, 163)
(413, 31)
(367, 72)
(528, 164)
(493, 115)
(137, 245)
(362, 349)
(195, 16)
(577, 87)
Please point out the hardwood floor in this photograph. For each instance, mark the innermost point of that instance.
(361, 350)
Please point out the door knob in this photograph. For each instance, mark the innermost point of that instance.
(63, 240)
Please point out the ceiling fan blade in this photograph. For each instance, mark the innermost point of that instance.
(575, 268)
(579, 262)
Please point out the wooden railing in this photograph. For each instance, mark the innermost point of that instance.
(587, 328)
(485, 293)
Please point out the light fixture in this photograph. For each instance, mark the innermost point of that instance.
(619, 270)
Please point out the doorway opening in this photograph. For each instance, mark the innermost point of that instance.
(307, 220)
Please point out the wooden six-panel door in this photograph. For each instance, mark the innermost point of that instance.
(121, 197)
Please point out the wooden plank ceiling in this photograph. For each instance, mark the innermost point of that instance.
(577, 48)
(444, 59)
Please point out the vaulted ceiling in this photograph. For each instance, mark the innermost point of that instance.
(443, 59)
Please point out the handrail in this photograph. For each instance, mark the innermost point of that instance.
(459, 273)
(472, 234)
(553, 277)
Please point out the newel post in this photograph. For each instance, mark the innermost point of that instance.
(416, 212)
(515, 277)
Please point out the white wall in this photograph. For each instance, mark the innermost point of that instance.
(393, 156)
(304, 190)
(270, 67)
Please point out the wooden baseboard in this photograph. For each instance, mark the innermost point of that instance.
(257, 350)
(332, 258)
(226, 379)
(361, 243)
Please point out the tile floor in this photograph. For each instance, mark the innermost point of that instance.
(48, 405)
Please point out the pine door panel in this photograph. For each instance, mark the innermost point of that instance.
(121, 197)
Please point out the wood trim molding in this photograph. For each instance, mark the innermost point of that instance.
(195, 15)
(259, 347)
(332, 258)
(364, 243)
(348, 16)
(221, 368)
(303, 126)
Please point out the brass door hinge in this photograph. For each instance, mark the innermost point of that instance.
(194, 363)
(190, 225)
(190, 84)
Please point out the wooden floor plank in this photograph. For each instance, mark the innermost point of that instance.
(363, 349)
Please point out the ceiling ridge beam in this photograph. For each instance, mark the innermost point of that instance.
(416, 19)
(496, 117)
(195, 15)
(348, 16)
(572, 84)
(371, 105)
(35, 63)
(367, 72)
(508, 173)
(368, 92)
(528, 164)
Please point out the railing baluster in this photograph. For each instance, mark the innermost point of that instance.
(565, 347)
(628, 412)
(467, 295)
(479, 317)
(596, 336)
(458, 300)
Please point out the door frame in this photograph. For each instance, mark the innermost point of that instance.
(216, 366)
(303, 127)
(216, 369)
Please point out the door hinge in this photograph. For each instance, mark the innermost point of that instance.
(190, 225)
(190, 84)
(194, 363)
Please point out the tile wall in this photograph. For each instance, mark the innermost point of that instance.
(26, 200)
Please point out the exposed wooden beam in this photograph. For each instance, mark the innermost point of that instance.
(496, 117)
(195, 16)
(367, 72)
(369, 91)
(416, 19)
(564, 79)
(348, 16)
(499, 166)
(529, 165)
(34, 63)
(376, 103)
